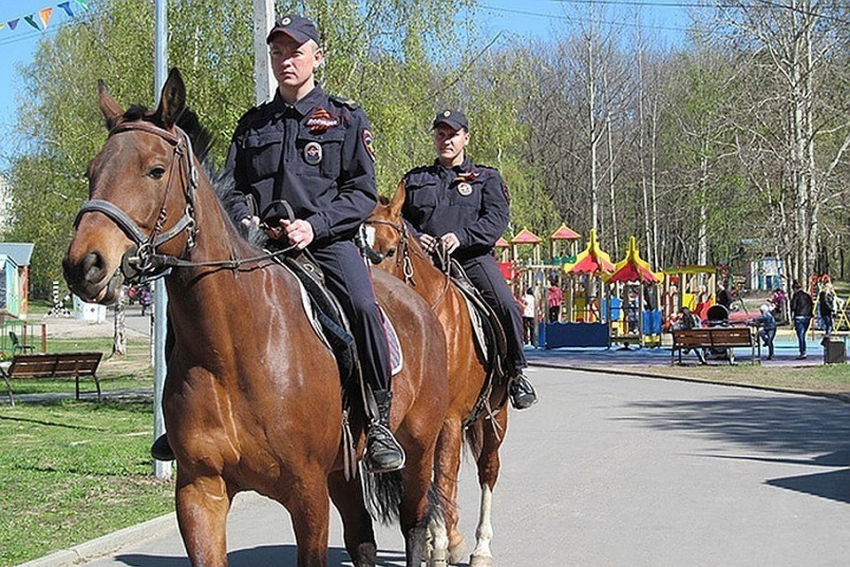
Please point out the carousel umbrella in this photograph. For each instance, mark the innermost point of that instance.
(564, 233)
(592, 261)
(633, 268)
(525, 236)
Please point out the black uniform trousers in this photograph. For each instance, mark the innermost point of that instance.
(488, 279)
(348, 279)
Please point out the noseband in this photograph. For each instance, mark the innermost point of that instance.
(141, 265)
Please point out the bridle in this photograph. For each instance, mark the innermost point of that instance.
(403, 248)
(142, 263)
(403, 256)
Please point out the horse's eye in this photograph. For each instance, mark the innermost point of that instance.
(390, 252)
(156, 172)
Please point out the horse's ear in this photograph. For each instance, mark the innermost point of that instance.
(111, 110)
(398, 199)
(173, 100)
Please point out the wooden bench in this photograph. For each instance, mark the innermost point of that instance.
(715, 338)
(65, 365)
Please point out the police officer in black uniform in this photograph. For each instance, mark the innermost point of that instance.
(314, 151)
(466, 208)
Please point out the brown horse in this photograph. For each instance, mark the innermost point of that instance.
(467, 376)
(253, 398)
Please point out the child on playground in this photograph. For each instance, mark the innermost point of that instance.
(768, 328)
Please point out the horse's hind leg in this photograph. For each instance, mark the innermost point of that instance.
(359, 537)
(202, 506)
(488, 473)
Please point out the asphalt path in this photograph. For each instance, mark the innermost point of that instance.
(612, 470)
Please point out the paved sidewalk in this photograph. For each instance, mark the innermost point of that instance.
(608, 470)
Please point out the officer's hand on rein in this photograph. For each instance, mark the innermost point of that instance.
(450, 242)
(428, 242)
(299, 232)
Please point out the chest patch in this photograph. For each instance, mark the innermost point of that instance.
(321, 121)
(313, 153)
(464, 189)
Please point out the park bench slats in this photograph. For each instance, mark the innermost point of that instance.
(61, 365)
(713, 337)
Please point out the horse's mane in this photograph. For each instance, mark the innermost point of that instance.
(203, 142)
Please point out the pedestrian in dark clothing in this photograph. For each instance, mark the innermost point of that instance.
(802, 308)
(826, 307)
(724, 298)
(464, 208)
(690, 320)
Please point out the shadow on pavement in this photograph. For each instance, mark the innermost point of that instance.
(281, 555)
(781, 425)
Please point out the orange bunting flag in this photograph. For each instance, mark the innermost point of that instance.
(45, 14)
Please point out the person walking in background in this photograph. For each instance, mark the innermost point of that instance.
(802, 308)
(768, 328)
(556, 297)
(826, 307)
(724, 298)
(529, 319)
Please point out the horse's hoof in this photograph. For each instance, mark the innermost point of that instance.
(480, 561)
(438, 558)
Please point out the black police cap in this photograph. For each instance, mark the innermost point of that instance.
(299, 28)
(452, 118)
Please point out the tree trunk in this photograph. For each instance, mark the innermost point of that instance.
(119, 340)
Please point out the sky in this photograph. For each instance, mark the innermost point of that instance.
(536, 19)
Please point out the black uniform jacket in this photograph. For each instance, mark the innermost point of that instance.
(315, 154)
(470, 200)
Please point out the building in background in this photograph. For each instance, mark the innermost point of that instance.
(14, 278)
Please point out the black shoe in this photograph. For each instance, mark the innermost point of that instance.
(522, 393)
(801, 356)
(161, 450)
(383, 452)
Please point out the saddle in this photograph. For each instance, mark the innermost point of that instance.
(489, 337)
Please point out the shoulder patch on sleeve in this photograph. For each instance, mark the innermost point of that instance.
(367, 143)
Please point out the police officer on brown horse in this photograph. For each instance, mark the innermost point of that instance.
(314, 151)
(465, 208)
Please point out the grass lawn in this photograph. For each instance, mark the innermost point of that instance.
(72, 471)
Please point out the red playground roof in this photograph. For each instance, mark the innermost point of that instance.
(564, 233)
(525, 236)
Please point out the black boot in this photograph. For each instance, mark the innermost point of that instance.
(161, 450)
(522, 392)
(383, 452)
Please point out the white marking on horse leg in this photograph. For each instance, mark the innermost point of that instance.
(439, 543)
(484, 532)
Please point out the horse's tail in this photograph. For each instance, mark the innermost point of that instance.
(383, 498)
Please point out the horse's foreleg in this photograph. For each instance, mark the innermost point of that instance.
(202, 506)
(447, 467)
(359, 536)
(488, 473)
(309, 507)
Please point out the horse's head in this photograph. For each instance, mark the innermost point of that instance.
(141, 197)
(390, 230)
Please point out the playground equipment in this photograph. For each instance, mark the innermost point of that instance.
(639, 325)
(587, 323)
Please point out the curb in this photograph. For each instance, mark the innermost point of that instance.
(108, 544)
(602, 370)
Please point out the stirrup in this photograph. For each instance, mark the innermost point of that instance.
(522, 393)
(383, 451)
